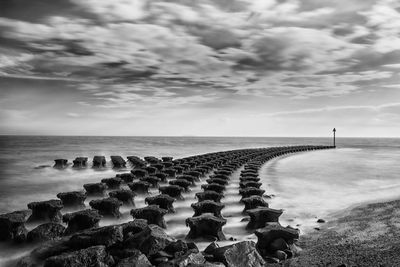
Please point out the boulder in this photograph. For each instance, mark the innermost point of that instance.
(188, 259)
(182, 183)
(153, 180)
(93, 256)
(167, 159)
(107, 207)
(162, 176)
(126, 177)
(74, 199)
(137, 259)
(220, 176)
(95, 189)
(174, 191)
(136, 161)
(207, 206)
(99, 161)
(158, 166)
(149, 241)
(50, 248)
(237, 255)
(170, 172)
(60, 163)
(112, 183)
(209, 195)
(151, 170)
(262, 215)
(104, 236)
(251, 191)
(245, 184)
(213, 187)
(151, 160)
(125, 196)
(118, 162)
(80, 162)
(140, 187)
(206, 226)
(12, 226)
(195, 174)
(266, 237)
(81, 220)
(45, 232)
(153, 214)
(139, 173)
(223, 172)
(253, 202)
(163, 201)
(188, 178)
(133, 227)
(217, 181)
(47, 211)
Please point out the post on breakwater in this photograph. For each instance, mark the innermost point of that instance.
(334, 137)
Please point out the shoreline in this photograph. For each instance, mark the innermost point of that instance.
(365, 235)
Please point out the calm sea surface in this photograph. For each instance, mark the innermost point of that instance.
(307, 185)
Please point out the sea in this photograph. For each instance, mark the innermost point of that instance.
(308, 186)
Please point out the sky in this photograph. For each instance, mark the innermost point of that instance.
(200, 67)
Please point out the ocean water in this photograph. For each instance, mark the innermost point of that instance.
(307, 186)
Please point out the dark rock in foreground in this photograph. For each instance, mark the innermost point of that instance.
(46, 211)
(104, 236)
(153, 214)
(45, 232)
(206, 226)
(174, 191)
(74, 199)
(262, 215)
(81, 220)
(136, 259)
(108, 207)
(12, 226)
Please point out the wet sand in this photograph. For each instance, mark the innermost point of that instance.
(368, 235)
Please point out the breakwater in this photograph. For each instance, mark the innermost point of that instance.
(210, 174)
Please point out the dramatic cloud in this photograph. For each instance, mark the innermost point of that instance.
(140, 59)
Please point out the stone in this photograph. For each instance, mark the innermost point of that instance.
(133, 227)
(281, 255)
(125, 196)
(136, 161)
(195, 174)
(170, 172)
(245, 184)
(112, 183)
(163, 201)
(60, 163)
(217, 181)
(153, 180)
(220, 176)
(74, 199)
(262, 215)
(95, 189)
(139, 173)
(251, 191)
(209, 195)
(126, 177)
(320, 221)
(45, 232)
(189, 259)
(138, 259)
(213, 187)
(50, 248)
(237, 255)
(102, 236)
(207, 206)
(223, 172)
(189, 178)
(182, 183)
(248, 178)
(162, 176)
(149, 241)
(167, 159)
(205, 226)
(150, 170)
(81, 220)
(46, 211)
(153, 214)
(99, 161)
(151, 160)
(174, 191)
(93, 256)
(140, 187)
(278, 244)
(80, 162)
(107, 207)
(118, 162)
(12, 226)
(253, 202)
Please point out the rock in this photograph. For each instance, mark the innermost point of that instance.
(195, 174)
(133, 227)
(47, 211)
(107, 207)
(217, 181)
(125, 196)
(136, 161)
(50, 248)
(251, 191)
(60, 163)
(182, 183)
(213, 187)
(112, 183)
(104, 236)
(139, 173)
(189, 259)
(281, 255)
(253, 202)
(151, 170)
(118, 162)
(74, 199)
(278, 244)
(163, 201)
(237, 255)
(138, 259)
(139, 187)
(170, 172)
(179, 248)
(153, 180)
(45, 232)
(174, 191)
(93, 256)
(99, 161)
(162, 176)
(81, 220)
(153, 214)
(271, 232)
(12, 226)
(220, 176)
(95, 189)
(80, 162)
(223, 172)
(249, 178)
(205, 226)
(245, 184)
(151, 160)
(262, 215)
(126, 177)
(149, 241)
(189, 178)
(209, 195)
(167, 159)
(320, 221)
(207, 206)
